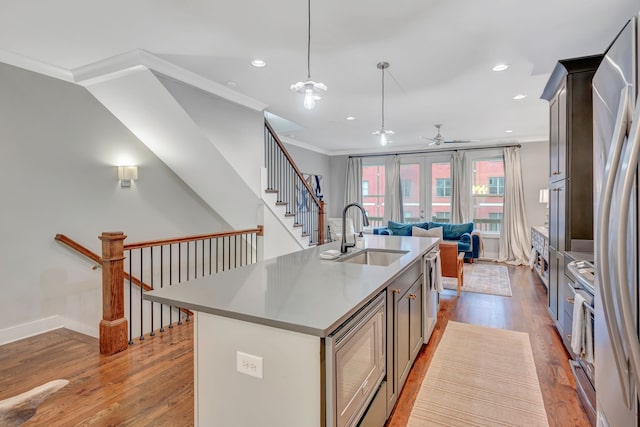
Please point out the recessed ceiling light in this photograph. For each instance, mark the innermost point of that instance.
(231, 83)
(351, 118)
(508, 131)
(520, 96)
(500, 67)
(258, 63)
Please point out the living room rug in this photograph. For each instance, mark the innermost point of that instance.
(483, 278)
(480, 376)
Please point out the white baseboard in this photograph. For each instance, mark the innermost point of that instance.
(26, 330)
(82, 328)
(37, 327)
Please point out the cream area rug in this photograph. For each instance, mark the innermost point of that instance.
(480, 377)
(483, 278)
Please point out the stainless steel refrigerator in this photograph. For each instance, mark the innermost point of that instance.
(616, 144)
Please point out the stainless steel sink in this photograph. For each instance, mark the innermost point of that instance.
(380, 257)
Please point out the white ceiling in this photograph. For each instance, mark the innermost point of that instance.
(440, 52)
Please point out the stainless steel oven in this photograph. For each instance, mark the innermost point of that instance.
(582, 276)
(356, 363)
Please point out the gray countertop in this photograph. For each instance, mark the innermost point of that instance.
(300, 291)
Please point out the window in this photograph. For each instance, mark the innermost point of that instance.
(488, 193)
(495, 226)
(440, 191)
(410, 181)
(373, 198)
(365, 188)
(443, 187)
(496, 185)
(442, 217)
(406, 187)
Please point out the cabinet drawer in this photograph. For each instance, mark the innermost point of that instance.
(402, 284)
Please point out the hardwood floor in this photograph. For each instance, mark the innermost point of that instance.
(525, 311)
(149, 384)
(152, 382)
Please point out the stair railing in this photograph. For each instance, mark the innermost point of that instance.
(293, 190)
(155, 264)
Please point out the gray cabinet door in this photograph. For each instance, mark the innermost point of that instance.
(416, 319)
(402, 338)
(553, 284)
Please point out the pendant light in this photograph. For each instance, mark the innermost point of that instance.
(309, 88)
(383, 132)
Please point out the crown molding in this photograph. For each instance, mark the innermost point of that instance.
(128, 62)
(112, 67)
(36, 66)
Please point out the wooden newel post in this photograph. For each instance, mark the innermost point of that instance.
(321, 223)
(113, 326)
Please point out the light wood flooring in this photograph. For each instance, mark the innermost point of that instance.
(152, 382)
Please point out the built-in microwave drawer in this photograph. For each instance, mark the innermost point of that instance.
(356, 364)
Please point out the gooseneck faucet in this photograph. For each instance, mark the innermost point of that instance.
(365, 221)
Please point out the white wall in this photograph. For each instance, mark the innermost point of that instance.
(58, 152)
(236, 131)
(535, 176)
(338, 166)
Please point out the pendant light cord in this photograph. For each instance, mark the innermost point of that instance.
(309, 40)
(382, 98)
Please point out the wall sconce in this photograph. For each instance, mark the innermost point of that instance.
(544, 196)
(544, 199)
(126, 174)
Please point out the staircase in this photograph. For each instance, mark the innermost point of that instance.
(288, 194)
(211, 137)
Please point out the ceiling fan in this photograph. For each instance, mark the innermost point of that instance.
(439, 139)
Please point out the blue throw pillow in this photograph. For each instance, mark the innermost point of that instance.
(399, 229)
(466, 238)
(385, 232)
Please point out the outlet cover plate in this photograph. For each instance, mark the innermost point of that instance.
(249, 364)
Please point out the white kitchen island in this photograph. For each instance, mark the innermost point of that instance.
(271, 320)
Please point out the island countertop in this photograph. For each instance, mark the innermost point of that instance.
(300, 291)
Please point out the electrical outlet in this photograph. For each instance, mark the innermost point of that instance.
(249, 364)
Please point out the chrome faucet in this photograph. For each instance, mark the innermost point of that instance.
(365, 221)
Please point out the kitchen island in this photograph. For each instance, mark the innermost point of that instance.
(270, 320)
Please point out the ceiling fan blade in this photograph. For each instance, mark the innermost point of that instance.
(459, 141)
(427, 138)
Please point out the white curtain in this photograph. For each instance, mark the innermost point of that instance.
(460, 188)
(392, 190)
(353, 190)
(515, 242)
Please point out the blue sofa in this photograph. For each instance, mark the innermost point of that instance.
(469, 241)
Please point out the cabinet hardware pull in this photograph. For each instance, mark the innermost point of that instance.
(412, 296)
(395, 291)
(570, 300)
(569, 337)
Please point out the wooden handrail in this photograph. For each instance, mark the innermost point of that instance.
(317, 201)
(259, 230)
(96, 258)
(79, 248)
(292, 163)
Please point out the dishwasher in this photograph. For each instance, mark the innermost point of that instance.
(431, 272)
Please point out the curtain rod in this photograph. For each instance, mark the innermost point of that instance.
(440, 150)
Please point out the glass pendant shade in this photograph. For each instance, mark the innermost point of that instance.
(309, 88)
